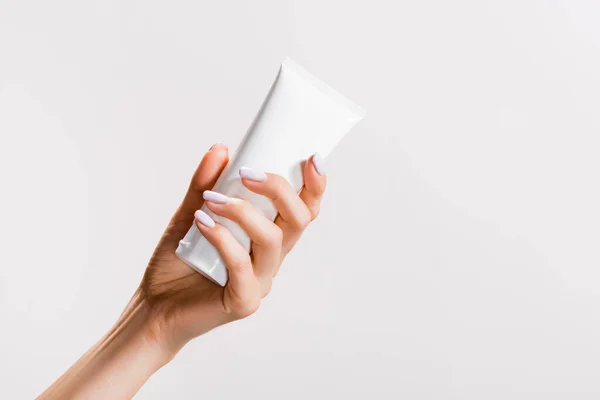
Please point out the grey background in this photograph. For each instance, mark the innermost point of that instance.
(457, 253)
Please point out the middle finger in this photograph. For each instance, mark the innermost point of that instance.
(266, 237)
(294, 215)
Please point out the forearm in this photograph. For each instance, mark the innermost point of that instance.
(118, 365)
(184, 303)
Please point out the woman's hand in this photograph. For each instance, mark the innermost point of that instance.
(184, 304)
(174, 304)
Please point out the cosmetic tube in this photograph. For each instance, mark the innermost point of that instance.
(300, 116)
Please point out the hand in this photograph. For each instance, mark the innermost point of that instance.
(174, 304)
(183, 303)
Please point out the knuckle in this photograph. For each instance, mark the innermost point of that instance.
(238, 207)
(217, 235)
(221, 234)
(241, 263)
(280, 185)
(320, 189)
(266, 288)
(275, 237)
(247, 307)
(301, 220)
(314, 212)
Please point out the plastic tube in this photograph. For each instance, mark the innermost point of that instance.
(300, 116)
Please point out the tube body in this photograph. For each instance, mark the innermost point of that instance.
(300, 116)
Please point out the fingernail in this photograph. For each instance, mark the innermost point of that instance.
(204, 219)
(249, 173)
(218, 144)
(215, 197)
(319, 164)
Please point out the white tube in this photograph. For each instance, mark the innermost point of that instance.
(300, 116)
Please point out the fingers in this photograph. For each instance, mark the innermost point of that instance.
(250, 277)
(266, 237)
(314, 184)
(243, 289)
(204, 178)
(292, 210)
(295, 211)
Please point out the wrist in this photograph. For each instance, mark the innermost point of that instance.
(141, 327)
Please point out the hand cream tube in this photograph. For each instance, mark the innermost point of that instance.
(300, 116)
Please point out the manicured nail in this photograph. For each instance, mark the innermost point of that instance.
(249, 173)
(215, 197)
(204, 219)
(218, 144)
(319, 164)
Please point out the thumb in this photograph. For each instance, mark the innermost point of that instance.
(211, 166)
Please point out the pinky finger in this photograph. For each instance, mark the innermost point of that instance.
(314, 184)
(242, 287)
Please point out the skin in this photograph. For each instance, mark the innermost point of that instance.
(173, 303)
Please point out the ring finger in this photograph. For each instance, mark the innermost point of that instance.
(266, 237)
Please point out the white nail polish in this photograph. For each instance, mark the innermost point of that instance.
(319, 164)
(215, 197)
(249, 173)
(204, 219)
